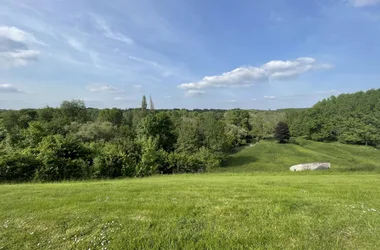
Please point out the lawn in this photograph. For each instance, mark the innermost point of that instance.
(268, 156)
(253, 202)
(202, 211)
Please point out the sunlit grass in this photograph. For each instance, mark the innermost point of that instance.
(271, 156)
(255, 202)
(207, 211)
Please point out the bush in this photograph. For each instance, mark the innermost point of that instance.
(150, 159)
(201, 161)
(184, 163)
(18, 167)
(208, 159)
(63, 158)
(112, 163)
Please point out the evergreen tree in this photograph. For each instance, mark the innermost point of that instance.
(151, 104)
(282, 133)
(144, 104)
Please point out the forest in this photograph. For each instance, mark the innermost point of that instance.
(74, 142)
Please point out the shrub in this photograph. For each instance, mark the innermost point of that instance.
(63, 158)
(18, 167)
(112, 163)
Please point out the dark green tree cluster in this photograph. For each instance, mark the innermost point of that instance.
(282, 133)
(348, 118)
(76, 142)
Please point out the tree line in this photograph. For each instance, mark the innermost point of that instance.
(77, 142)
(347, 118)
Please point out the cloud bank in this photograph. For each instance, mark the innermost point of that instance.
(363, 3)
(14, 47)
(8, 88)
(248, 76)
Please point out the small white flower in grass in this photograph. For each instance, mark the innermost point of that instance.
(31, 233)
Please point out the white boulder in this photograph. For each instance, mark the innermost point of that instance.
(311, 166)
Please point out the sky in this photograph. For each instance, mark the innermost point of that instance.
(262, 54)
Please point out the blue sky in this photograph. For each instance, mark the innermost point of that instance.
(264, 54)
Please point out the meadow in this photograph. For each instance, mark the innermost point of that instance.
(268, 156)
(253, 202)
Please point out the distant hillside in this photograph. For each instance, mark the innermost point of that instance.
(348, 118)
(271, 156)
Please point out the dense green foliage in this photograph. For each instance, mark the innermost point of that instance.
(348, 118)
(76, 142)
(293, 210)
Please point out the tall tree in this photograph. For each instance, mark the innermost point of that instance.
(160, 127)
(151, 104)
(144, 104)
(74, 110)
(189, 135)
(282, 133)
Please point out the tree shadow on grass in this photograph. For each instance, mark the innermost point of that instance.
(365, 168)
(238, 161)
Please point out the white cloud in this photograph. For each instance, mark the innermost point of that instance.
(20, 55)
(247, 76)
(120, 99)
(137, 86)
(163, 70)
(102, 25)
(75, 44)
(328, 92)
(193, 93)
(168, 97)
(283, 70)
(8, 88)
(269, 97)
(231, 101)
(103, 88)
(254, 99)
(17, 35)
(235, 78)
(363, 3)
(17, 58)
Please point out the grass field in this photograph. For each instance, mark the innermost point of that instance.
(274, 157)
(229, 210)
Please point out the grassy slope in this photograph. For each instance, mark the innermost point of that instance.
(300, 210)
(210, 211)
(270, 156)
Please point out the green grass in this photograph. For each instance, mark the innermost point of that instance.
(278, 209)
(273, 157)
(210, 211)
